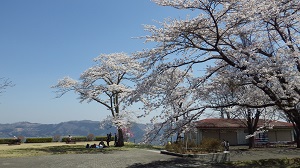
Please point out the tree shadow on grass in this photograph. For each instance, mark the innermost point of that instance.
(294, 162)
(177, 163)
(190, 163)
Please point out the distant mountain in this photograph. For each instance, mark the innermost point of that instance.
(74, 128)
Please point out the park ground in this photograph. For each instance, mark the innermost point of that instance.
(76, 155)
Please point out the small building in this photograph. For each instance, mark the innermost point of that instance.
(235, 131)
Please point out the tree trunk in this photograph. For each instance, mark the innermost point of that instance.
(251, 139)
(294, 116)
(179, 137)
(250, 131)
(297, 139)
(252, 125)
(120, 142)
(251, 143)
(297, 134)
(297, 130)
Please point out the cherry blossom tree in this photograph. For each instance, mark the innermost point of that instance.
(257, 41)
(4, 84)
(224, 93)
(108, 83)
(240, 101)
(166, 94)
(236, 99)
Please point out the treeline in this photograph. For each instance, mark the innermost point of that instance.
(56, 138)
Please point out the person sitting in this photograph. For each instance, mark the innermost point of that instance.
(93, 146)
(101, 143)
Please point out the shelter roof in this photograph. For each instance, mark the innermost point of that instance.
(238, 123)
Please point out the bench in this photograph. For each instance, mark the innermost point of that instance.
(70, 142)
(15, 142)
(282, 144)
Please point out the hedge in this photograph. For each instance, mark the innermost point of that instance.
(51, 139)
(5, 141)
(38, 140)
(99, 138)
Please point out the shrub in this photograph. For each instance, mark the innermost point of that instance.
(90, 137)
(211, 145)
(191, 144)
(207, 145)
(177, 147)
(38, 140)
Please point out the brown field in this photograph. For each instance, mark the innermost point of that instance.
(34, 149)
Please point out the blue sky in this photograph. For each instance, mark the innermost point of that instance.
(42, 41)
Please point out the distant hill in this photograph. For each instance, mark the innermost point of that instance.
(74, 128)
